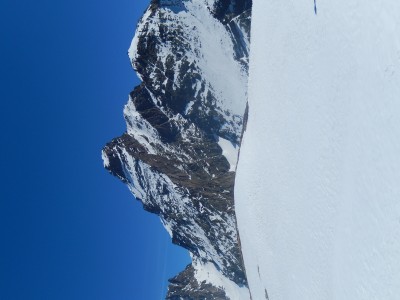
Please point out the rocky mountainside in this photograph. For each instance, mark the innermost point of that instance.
(184, 124)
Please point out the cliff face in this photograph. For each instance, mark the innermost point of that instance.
(184, 124)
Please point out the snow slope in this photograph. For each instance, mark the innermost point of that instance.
(318, 181)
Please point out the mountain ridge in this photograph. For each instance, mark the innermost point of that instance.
(184, 125)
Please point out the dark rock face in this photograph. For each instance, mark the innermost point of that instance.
(192, 58)
(186, 286)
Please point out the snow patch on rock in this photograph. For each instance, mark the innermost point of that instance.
(207, 272)
(230, 152)
(106, 161)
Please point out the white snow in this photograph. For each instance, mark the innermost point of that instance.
(188, 107)
(318, 181)
(208, 272)
(230, 152)
(132, 51)
(216, 58)
(140, 128)
(106, 161)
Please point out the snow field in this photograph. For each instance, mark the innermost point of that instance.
(318, 181)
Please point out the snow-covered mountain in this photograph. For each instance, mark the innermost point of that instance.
(317, 191)
(184, 126)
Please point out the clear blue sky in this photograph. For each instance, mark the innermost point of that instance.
(68, 229)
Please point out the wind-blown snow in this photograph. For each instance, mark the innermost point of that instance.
(318, 184)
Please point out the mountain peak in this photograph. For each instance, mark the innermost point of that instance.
(184, 124)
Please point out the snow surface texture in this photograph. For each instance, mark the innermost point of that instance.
(318, 185)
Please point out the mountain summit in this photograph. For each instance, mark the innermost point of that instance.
(184, 126)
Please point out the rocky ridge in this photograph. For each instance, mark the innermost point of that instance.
(184, 124)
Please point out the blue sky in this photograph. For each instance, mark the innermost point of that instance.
(68, 229)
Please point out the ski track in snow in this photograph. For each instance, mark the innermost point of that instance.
(318, 180)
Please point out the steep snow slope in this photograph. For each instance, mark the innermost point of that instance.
(318, 186)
